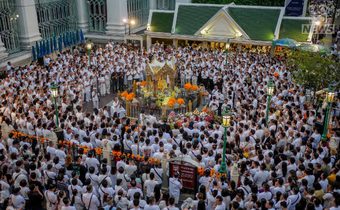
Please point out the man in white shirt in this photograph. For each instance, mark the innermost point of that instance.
(51, 197)
(219, 203)
(294, 199)
(261, 176)
(149, 185)
(89, 199)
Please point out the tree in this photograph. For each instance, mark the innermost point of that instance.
(313, 69)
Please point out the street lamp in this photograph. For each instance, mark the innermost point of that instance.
(226, 120)
(129, 23)
(54, 91)
(270, 91)
(329, 99)
(89, 48)
(132, 23)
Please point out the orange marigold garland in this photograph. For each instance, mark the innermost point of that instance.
(180, 101)
(194, 88)
(143, 83)
(124, 94)
(187, 86)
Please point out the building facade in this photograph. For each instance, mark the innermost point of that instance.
(24, 22)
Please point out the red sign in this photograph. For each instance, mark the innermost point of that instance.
(187, 174)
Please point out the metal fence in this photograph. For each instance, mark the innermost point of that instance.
(56, 17)
(9, 26)
(138, 10)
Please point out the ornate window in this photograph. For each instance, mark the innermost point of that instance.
(97, 15)
(56, 17)
(9, 26)
(138, 10)
(166, 4)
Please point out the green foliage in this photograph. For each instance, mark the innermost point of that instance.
(244, 2)
(313, 69)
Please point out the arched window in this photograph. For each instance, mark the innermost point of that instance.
(97, 15)
(56, 17)
(9, 26)
(139, 11)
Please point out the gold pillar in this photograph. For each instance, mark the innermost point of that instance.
(190, 106)
(199, 98)
(128, 108)
(134, 87)
(164, 108)
(155, 88)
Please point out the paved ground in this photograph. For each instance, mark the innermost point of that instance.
(103, 101)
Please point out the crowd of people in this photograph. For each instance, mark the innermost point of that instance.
(280, 164)
(324, 8)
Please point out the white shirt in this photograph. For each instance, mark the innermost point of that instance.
(51, 200)
(220, 207)
(90, 197)
(68, 208)
(150, 186)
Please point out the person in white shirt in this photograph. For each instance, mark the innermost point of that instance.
(172, 206)
(152, 205)
(261, 176)
(89, 199)
(121, 201)
(175, 187)
(219, 203)
(105, 190)
(51, 197)
(294, 199)
(134, 189)
(149, 185)
(67, 206)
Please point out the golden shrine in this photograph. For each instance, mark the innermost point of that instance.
(161, 75)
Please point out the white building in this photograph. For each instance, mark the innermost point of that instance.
(24, 22)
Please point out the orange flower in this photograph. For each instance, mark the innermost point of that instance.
(205, 109)
(276, 74)
(130, 96)
(212, 172)
(180, 101)
(98, 151)
(194, 88)
(143, 83)
(124, 94)
(171, 103)
(187, 86)
(172, 100)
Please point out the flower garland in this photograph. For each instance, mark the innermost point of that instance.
(127, 96)
(190, 87)
(117, 155)
(213, 173)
